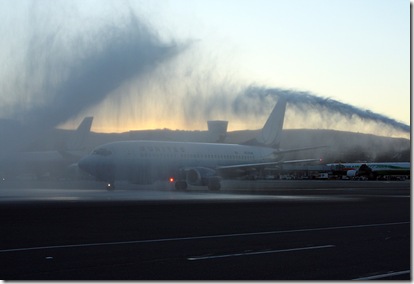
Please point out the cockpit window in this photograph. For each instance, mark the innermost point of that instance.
(102, 152)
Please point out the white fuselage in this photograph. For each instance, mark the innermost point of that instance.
(147, 161)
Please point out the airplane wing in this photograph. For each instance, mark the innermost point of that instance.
(299, 149)
(253, 165)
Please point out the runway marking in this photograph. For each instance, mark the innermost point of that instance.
(257, 252)
(201, 237)
(379, 276)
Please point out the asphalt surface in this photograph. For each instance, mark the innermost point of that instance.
(263, 230)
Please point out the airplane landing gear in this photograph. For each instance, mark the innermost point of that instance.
(181, 185)
(214, 185)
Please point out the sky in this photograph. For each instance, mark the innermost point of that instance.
(161, 64)
(355, 51)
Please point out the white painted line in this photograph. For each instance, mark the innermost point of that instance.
(379, 276)
(256, 252)
(202, 237)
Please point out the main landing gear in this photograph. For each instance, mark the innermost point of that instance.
(212, 185)
(181, 185)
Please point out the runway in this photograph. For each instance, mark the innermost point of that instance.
(91, 191)
(264, 230)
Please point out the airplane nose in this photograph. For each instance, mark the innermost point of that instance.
(101, 168)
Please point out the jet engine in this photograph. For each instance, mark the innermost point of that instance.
(200, 176)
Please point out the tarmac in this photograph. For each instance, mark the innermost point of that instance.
(250, 230)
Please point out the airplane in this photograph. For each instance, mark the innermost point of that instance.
(43, 163)
(371, 170)
(183, 163)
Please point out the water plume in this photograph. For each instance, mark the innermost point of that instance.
(123, 73)
(67, 72)
(306, 102)
(305, 110)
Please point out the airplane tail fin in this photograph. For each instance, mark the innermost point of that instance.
(271, 133)
(81, 134)
(217, 130)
